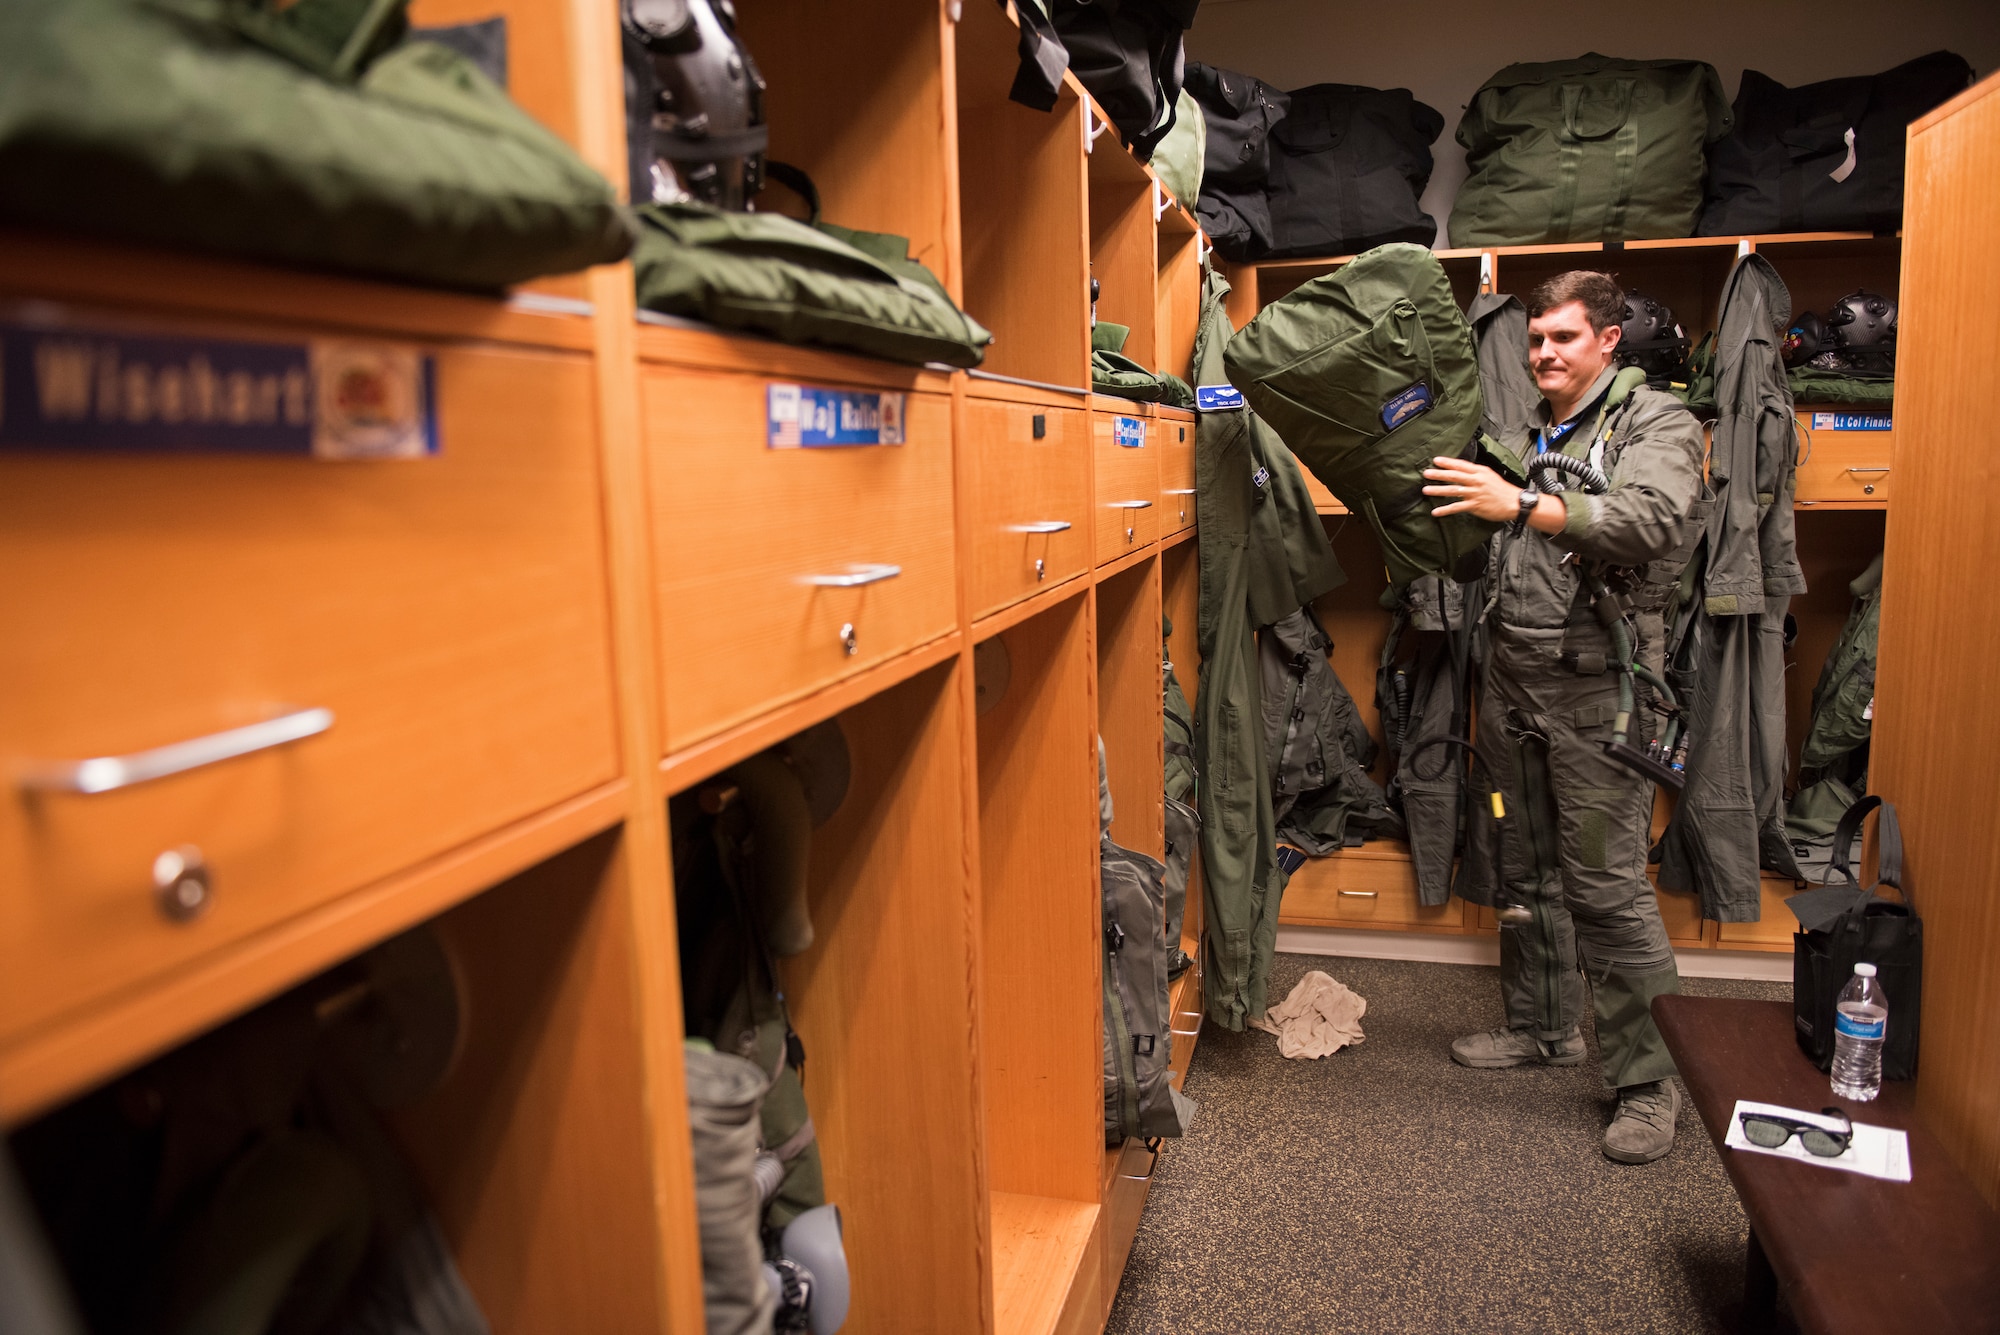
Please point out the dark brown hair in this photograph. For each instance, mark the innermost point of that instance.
(1603, 300)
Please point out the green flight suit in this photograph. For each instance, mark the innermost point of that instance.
(1574, 841)
(1263, 556)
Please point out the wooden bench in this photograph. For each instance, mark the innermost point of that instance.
(1850, 1253)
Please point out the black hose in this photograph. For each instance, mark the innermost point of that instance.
(1592, 477)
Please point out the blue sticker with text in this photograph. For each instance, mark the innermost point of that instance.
(1851, 421)
(93, 391)
(1128, 432)
(804, 417)
(1412, 402)
(1217, 398)
(1261, 477)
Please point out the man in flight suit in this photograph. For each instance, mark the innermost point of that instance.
(1577, 826)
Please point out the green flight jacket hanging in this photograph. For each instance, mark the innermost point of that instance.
(298, 136)
(1729, 820)
(1263, 556)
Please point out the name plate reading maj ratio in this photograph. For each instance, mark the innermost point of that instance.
(88, 391)
(805, 417)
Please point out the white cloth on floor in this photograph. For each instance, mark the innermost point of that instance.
(1318, 1019)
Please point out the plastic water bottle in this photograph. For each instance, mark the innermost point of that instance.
(1861, 1017)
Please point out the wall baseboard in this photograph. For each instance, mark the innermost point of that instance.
(1757, 966)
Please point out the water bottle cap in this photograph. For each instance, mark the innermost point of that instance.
(1865, 970)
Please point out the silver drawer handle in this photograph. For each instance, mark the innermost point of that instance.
(1045, 526)
(854, 579)
(1362, 894)
(1868, 470)
(1131, 505)
(1178, 491)
(104, 774)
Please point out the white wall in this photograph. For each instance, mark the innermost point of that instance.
(1443, 50)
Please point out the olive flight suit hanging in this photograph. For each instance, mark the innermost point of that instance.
(1263, 556)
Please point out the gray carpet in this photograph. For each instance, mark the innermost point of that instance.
(1386, 1189)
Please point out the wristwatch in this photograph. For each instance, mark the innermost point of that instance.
(1530, 498)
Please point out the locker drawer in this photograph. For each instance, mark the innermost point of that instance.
(1843, 465)
(1128, 483)
(1362, 887)
(780, 570)
(1028, 477)
(1176, 432)
(449, 613)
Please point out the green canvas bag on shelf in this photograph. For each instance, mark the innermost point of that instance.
(1178, 159)
(800, 283)
(1367, 374)
(1594, 149)
(309, 136)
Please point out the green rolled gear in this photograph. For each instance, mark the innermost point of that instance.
(799, 283)
(1812, 385)
(1112, 372)
(224, 126)
(272, 1249)
(1178, 158)
(1833, 758)
(1367, 374)
(1592, 149)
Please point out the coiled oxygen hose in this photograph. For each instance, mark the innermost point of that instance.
(1590, 475)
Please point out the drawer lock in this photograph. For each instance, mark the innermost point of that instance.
(848, 643)
(181, 886)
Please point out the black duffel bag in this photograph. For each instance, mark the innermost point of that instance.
(1825, 157)
(1844, 925)
(1348, 165)
(1128, 54)
(1239, 113)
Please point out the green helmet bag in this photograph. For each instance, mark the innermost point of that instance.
(1367, 374)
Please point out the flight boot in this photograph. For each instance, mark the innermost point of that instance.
(1643, 1129)
(1517, 1047)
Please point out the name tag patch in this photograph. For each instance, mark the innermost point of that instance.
(93, 391)
(1128, 432)
(1851, 421)
(806, 417)
(1261, 478)
(1412, 402)
(1217, 398)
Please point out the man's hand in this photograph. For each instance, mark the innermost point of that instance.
(1472, 489)
(1477, 490)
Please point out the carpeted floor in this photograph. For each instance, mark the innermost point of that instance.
(1386, 1189)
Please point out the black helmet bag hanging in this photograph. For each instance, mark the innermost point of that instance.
(1653, 341)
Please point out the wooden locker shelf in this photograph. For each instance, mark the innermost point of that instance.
(1046, 1277)
(1129, 703)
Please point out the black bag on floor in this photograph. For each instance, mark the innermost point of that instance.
(1825, 157)
(1347, 167)
(1843, 925)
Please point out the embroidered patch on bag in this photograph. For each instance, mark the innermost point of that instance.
(1217, 398)
(1412, 402)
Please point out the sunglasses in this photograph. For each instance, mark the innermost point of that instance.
(1768, 1132)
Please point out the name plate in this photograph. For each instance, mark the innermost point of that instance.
(1128, 432)
(1217, 398)
(805, 417)
(1851, 421)
(91, 391)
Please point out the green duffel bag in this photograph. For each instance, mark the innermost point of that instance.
(1178, 159)
(1596, 149)
(1367, 374)
(799, 283)
(236, 128)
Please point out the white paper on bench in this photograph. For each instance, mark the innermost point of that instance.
(1876, 1151)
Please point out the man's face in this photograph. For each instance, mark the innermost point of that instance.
(1566, 354)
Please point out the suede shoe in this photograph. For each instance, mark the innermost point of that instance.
(1643, 1129)
(1516, 1047)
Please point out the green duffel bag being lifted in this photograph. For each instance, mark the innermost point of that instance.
(1596, 149)
(1367, 374)
(800, 283)
(306, 135)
